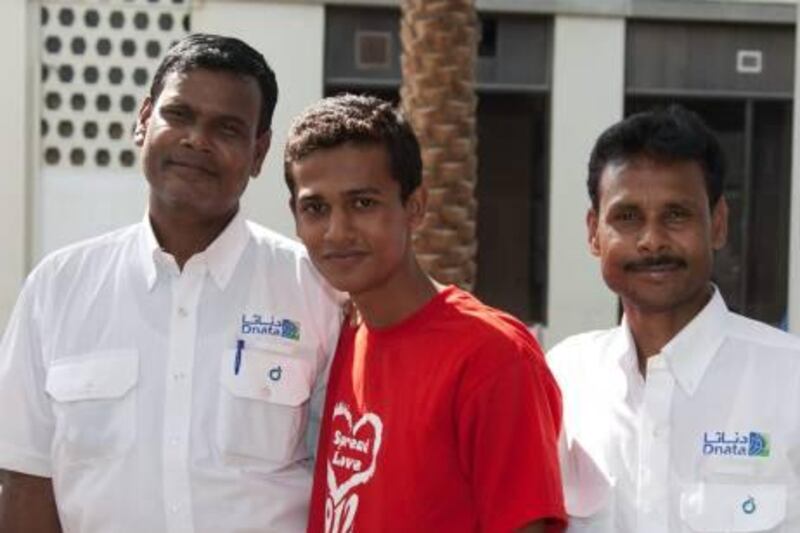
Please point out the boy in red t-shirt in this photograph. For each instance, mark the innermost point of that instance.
(441, 415)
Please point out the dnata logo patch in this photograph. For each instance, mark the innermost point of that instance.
(274, 327)
(739, 444)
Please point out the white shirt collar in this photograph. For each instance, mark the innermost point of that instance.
(690, 352)
(220, 257)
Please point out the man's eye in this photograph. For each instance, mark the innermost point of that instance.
(677, 214)
(230, 130)
(364, 203)
(312, 208)
(626, 216)
(174, 114)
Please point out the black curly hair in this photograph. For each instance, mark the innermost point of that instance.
(350, 118)
(671, 134)
(226, 54)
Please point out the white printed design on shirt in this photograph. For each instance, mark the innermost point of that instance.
(352, 463)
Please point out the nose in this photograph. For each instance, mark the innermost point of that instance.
(339, 229)
(196, 137)
(653, 238)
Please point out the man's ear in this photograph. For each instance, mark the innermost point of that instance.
(416, 204)
(263, 142)
(142, 121)
(719, 224)
(591, 229)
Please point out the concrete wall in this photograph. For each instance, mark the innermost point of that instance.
(291, 38)
(587, 97)
(14, 227)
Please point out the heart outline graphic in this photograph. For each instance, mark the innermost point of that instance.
(338, 492)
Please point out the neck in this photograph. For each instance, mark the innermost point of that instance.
(400, 298)
(183, 236)
(653, 329)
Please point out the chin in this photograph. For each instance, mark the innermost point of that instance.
(664, 300)
(344, 284)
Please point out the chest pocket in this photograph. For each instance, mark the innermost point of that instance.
(94, 404)
(733, 508)
(263, 409)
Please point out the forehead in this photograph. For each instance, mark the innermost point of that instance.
(343, 168)
(649, 180)
(213, 90)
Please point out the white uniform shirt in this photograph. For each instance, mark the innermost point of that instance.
(161, 400)
(709, 442)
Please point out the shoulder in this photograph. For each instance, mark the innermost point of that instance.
(287, 263)
(577, 351)
(485, 342)
(482, 323)
(94, 253)
(280, 252)
(746, 332)
(279, 244)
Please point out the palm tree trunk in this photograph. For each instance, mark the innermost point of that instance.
(439, 41)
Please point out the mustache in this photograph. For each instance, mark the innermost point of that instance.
(655, 261)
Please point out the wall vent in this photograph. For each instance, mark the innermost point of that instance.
(373, 49)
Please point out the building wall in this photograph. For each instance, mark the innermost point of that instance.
(14, 227)
(587, 96)
(291, 38)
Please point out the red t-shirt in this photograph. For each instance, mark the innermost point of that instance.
(445, 422)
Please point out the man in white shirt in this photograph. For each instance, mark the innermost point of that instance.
(160, 377)
(686, 417)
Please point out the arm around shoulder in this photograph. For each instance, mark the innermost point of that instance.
(27, 503)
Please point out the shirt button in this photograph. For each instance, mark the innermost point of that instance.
(174, 441)
(659, 432)
(177, 376)
(182, 312)
(174, 509)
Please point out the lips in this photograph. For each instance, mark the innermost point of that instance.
(344, 259)
(656, 264)
(192, 164)
(343, 255)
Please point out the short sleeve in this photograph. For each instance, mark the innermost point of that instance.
(26, 418)
(325, 310)
(508, 432)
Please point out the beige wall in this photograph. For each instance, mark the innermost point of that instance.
(13, 154)
(587, 97)
(291, 38)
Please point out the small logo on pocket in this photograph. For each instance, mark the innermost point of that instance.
(275, 373)
(749, 505)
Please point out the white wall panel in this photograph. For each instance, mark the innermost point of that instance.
(13, 148)
(291, 38)
(587, 97)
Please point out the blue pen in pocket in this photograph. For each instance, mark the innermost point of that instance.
(237, 362)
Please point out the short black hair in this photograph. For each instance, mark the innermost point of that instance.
(672, 134)
(227, 54)
(350, 118)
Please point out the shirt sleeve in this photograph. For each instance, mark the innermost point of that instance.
(508, 432)
(325, 310)
(26, 417)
